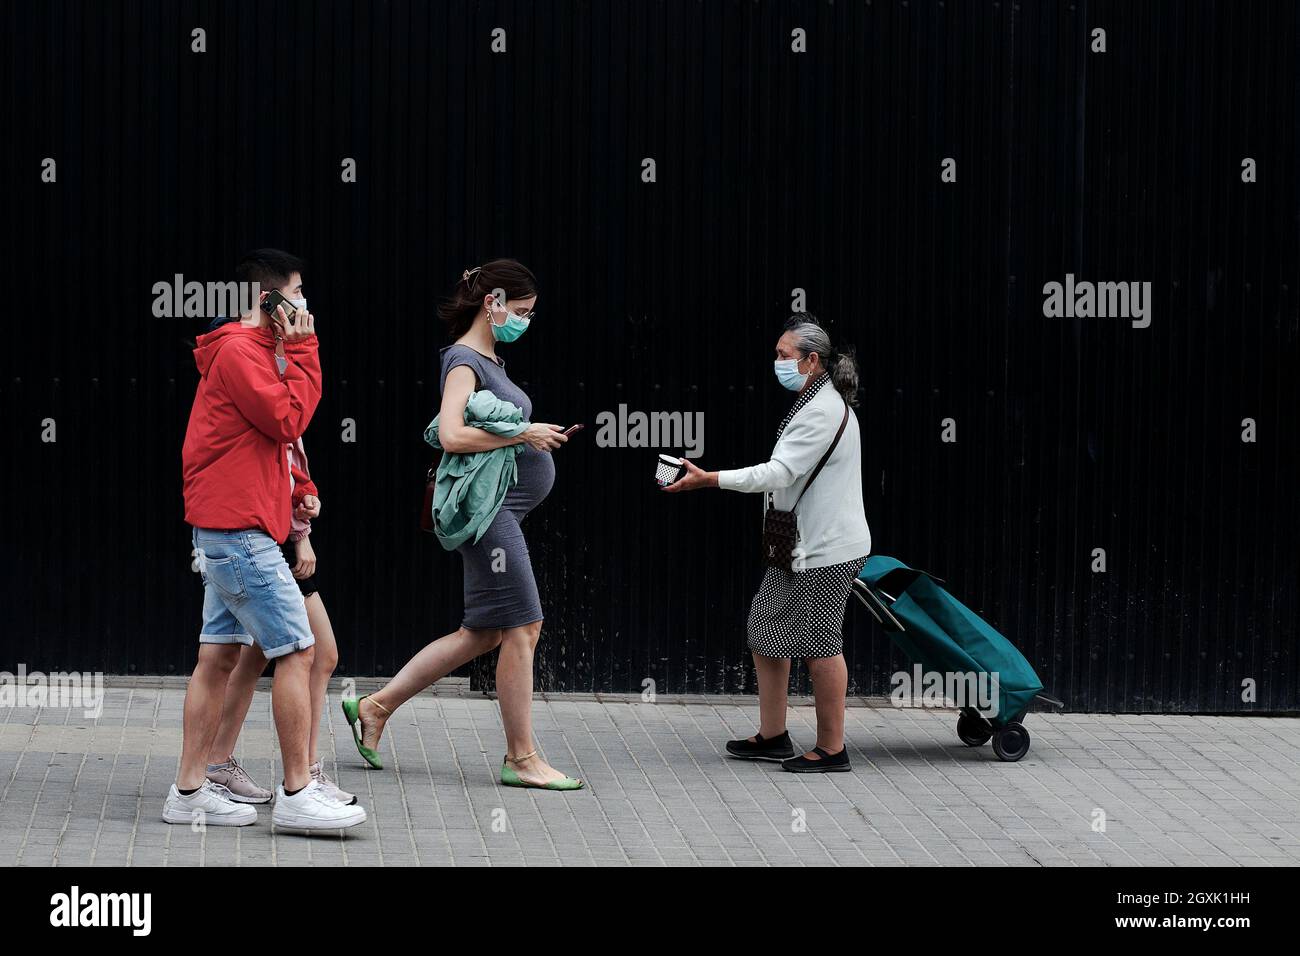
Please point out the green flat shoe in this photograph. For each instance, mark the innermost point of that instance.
(510, 777)
(352, 711)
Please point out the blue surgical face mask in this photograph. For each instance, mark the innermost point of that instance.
(513, 327)
(787, 373)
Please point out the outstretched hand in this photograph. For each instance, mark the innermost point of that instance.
(695, 477)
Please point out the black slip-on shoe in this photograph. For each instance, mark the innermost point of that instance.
(776, 748)
(829, 763)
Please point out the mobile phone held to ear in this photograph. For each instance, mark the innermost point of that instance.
(574, 429)
(276, 298)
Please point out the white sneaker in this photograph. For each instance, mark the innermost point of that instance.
(209, 805)
(331, 788)
(312, 808)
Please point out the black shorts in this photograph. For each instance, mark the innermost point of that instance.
(305, 585)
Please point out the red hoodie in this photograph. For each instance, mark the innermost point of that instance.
(234, 463)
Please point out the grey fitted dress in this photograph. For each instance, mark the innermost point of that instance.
(500, 590)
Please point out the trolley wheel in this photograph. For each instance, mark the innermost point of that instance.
(1011, 742)
(972, 729)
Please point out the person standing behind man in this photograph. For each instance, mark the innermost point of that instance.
(237, 500)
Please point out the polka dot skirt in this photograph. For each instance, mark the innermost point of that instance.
(801, 614)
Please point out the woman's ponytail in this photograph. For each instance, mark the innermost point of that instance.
(842, 365)
(844, 373)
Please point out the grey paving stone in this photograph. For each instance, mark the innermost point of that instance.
(1174, 789)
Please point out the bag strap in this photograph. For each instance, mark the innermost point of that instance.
(826, 457)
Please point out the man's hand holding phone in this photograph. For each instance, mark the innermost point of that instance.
(290, 324)
(295, 326)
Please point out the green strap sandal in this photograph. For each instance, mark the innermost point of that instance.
(510, 777)
(352, 711)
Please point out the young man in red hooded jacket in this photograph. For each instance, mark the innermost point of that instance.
(237, 499)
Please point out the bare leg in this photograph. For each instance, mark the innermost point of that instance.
(238, 698)
(515, 685)
(291, 705)
(515, 694)
(204, 699)
(251, 666)
(435, 661)
(322, 668)
(830, 677)
(773, 685)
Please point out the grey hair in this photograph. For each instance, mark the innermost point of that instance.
(810, 337)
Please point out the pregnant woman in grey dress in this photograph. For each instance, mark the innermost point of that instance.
(490, 305)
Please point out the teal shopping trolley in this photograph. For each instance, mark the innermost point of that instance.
(943, 635)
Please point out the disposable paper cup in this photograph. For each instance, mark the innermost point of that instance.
(668, 470)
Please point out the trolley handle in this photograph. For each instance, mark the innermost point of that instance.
(878, 608)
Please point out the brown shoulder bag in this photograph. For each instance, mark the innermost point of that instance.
(781, 528)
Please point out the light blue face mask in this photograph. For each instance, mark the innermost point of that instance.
(787, 373)
(513, 327)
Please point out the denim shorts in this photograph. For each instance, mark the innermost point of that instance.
(249, 593)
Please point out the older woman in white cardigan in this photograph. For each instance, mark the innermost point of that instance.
(800, 612)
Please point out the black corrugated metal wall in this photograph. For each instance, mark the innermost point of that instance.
(775, 170)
